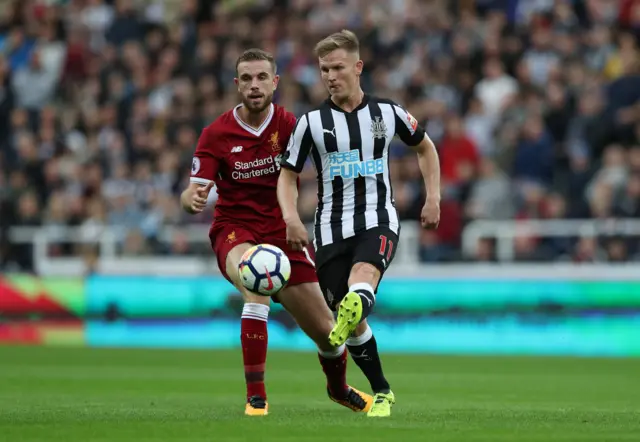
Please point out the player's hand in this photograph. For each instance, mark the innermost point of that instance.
(198, 199)
(430, 216)
(297, 235)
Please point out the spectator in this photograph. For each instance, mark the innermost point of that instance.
(458, 155)
(535, 154)
(491, 194)
(496, 89)
(102, 102)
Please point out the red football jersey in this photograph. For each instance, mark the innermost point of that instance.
(244, 163)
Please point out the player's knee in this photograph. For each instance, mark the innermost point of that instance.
(232, 261)
(364, 272)
(233, 258)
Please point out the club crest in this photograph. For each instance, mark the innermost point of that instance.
(275, 142)
(378, 128)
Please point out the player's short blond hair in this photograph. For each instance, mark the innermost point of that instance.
(255, 54)
(344, 39)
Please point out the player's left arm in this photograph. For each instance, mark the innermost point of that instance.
(430, 167)
(414, 136)
(429, 163)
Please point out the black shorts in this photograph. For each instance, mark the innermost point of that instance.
(375, 246)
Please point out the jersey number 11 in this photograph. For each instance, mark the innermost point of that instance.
(383, 247)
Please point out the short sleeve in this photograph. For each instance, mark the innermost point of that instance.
(205, 164)
(289, 123)
(299, 146)
(407, 127)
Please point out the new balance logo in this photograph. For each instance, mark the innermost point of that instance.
(331, 132)
(236, 149)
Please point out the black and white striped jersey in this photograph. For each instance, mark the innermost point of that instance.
(350, 151)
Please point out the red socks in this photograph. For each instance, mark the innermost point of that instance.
(334, 365)
(254, 340)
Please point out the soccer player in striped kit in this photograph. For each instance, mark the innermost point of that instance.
(356, 227)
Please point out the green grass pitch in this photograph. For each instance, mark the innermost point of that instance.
(63, 394)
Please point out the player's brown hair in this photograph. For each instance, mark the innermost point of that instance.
(255, 54)
(344, 39)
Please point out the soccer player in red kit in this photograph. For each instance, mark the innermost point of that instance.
(240, 152)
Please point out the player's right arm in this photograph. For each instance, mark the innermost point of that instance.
(204, 168)
(194, 198)
(292, 163)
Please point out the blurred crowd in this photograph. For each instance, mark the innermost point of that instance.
(533, 105)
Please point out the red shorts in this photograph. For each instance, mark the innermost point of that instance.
(226, 237)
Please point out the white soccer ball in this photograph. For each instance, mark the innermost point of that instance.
(264, 269)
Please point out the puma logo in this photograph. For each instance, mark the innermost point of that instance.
(364, 355)
(332, 131)
(330, 296)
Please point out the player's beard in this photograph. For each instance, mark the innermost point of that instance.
(255, 106)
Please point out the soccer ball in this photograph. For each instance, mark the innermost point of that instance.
(264, 269)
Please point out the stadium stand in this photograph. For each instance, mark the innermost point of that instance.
(533, 106)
